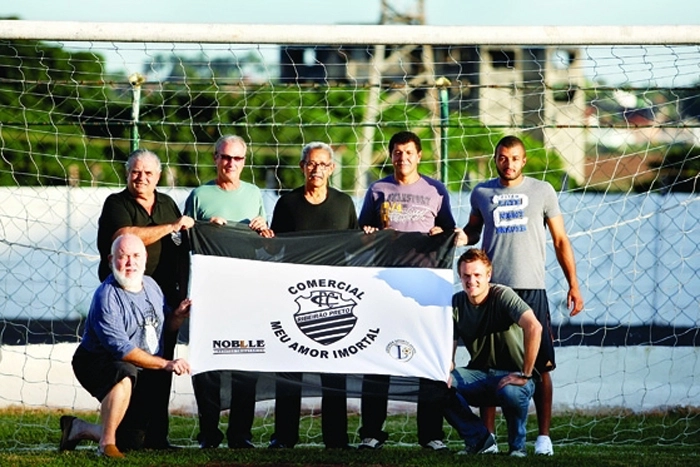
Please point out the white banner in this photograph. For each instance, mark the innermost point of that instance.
(280, 317)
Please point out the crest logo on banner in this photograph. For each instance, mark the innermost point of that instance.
(400, 350)
(325, 316)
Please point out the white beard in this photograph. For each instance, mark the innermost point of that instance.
(132, 284)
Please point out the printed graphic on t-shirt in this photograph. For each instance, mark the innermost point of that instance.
(400, 208)
(509, 213)
(151, 335)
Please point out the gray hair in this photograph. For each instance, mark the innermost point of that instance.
(306, 150)
(141, 154)
(229, 139)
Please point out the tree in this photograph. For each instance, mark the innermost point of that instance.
(63, 123)
(51, 99)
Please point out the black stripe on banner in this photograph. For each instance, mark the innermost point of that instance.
(386, 248)
(23, 332)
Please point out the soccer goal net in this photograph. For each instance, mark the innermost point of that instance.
(610, 117)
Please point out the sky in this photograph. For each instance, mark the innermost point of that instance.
(437, 12)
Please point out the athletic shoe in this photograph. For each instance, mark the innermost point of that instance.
(488, 446)
(66, 444)
(494, 449)
(371, 443)
(212, 442)
(543, 446)
(518, 453)
(275, 444)
(436, 445)
(110, 451)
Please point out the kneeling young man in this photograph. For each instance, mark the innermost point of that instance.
(502, 335)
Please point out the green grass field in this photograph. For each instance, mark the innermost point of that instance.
(672, 438)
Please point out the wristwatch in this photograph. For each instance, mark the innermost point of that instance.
(520, 374)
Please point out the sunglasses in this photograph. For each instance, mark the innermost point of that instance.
(227, 158)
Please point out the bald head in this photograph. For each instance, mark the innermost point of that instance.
(128, 261)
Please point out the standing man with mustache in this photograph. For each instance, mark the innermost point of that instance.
(315, 206)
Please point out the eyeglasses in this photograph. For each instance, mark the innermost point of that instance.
(227, 158)
(317, 165)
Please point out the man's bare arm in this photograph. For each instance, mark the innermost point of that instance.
(532, 336)
(152, 233)
(143, 359)
(565, 256)
(471, 234)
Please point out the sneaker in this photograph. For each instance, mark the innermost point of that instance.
(370, 443)
(275, 444)
(543, 446)
(436, 445)
(518, 453)
(211, 442)
(488, 446)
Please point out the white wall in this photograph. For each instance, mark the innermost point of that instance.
(587, 378)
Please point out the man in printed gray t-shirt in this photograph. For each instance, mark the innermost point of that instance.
(409, 202)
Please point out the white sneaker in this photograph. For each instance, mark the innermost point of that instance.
(489, 446)
(543, 446)
(436, 445)
(370, 443)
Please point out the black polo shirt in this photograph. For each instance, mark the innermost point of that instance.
(167, 262)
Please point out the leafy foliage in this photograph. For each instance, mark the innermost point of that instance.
(62, 122)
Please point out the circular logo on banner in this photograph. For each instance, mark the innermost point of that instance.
(400, 350)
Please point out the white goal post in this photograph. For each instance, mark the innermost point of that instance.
(611, 116)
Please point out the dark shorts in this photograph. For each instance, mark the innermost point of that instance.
(99, 373)
(537, 299)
